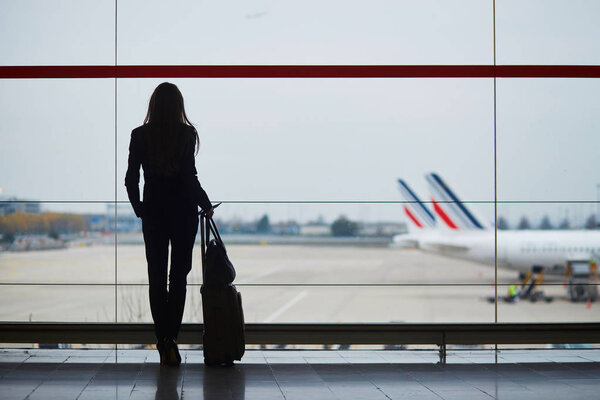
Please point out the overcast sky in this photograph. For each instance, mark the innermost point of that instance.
(309, 139)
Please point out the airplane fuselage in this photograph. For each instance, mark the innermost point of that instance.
(518, 250)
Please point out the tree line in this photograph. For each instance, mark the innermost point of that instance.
(50, 223)
(546, 223)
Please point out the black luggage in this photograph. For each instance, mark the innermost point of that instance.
(223, 336)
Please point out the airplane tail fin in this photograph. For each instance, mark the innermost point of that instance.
(414, 208)
(449, 207)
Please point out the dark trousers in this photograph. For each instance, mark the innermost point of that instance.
(167, 305)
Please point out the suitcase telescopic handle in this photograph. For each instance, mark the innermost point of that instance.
(202, 244)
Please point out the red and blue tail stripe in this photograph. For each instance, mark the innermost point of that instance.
(414, 207)
(458, 215)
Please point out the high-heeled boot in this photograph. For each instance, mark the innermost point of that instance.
(172, 351)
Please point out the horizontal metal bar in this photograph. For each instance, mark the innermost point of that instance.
(299, 71)
(489, 333)
(299, 284)
(318, 201)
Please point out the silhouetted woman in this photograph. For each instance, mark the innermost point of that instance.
(164, 146)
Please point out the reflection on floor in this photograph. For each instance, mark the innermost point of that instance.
(136, 374)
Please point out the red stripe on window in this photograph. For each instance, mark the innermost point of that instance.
(301, 71)
(548, 71)
(58, 71)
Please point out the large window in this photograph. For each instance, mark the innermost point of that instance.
(307, 168)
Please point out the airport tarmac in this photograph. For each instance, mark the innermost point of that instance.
(279, 283)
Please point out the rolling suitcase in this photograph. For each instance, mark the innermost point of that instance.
(223, 336)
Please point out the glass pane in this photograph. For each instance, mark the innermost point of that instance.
(313, 32)
(366, 243)
(56, 243)
(548, 255)
(327, 139)
(74, 32)
(551, 303)
(547, 139)
(334, 304)
(58, 140)
(134, 305)
(559, 32)
(58, 303)
(368, 304)
(548, 188)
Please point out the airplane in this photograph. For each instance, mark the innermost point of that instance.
(455, 231)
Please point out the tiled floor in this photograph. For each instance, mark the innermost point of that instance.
(312, 375)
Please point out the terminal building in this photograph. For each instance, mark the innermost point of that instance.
(11, 205)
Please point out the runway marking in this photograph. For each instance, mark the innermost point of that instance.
(287, 306)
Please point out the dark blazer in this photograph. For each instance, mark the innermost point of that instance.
(164, 194)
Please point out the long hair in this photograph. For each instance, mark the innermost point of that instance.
(167, 139)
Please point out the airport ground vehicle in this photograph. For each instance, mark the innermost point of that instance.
(582, 282)
(527, 288)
